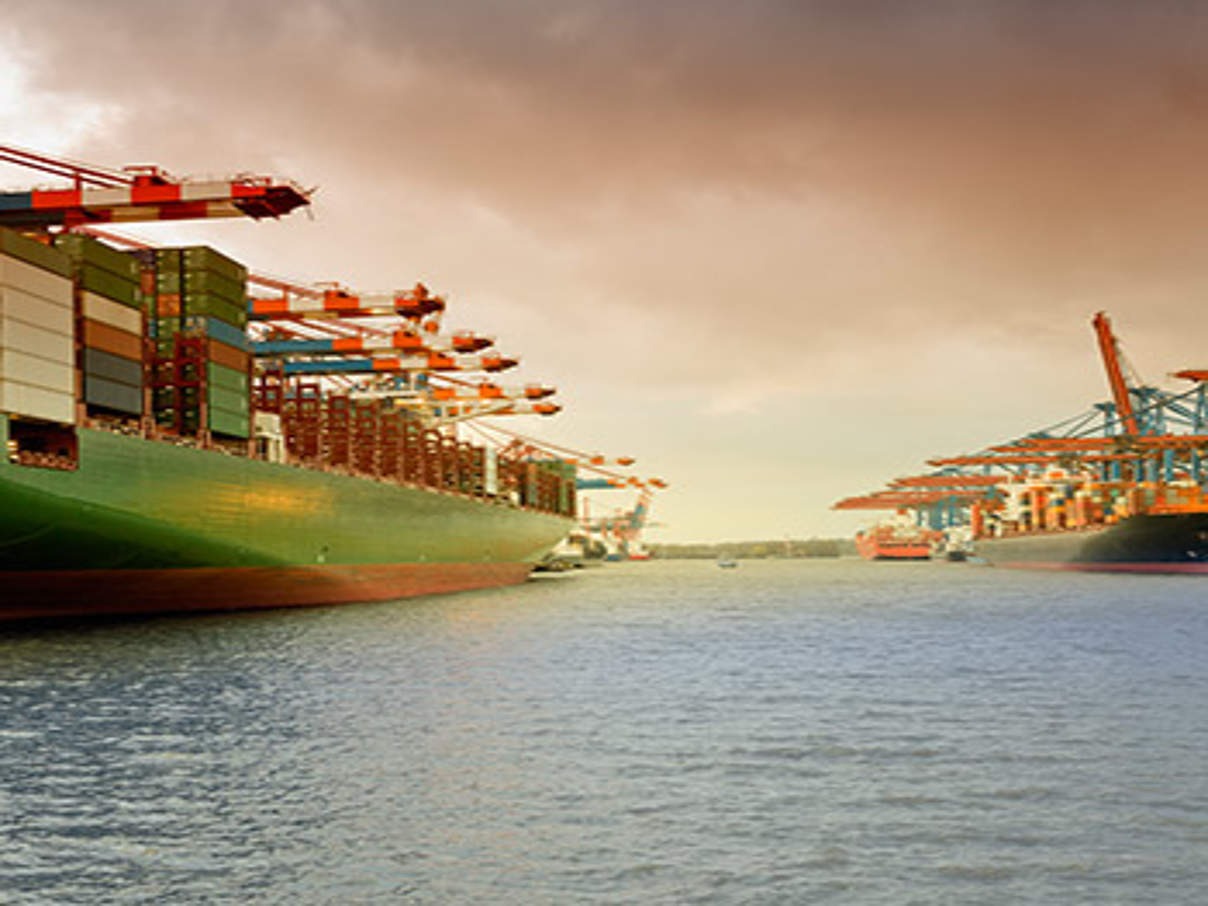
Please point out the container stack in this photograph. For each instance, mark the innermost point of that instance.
(202, 353)
(109, 303)
(37, 331)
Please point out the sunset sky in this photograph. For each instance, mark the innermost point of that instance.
(779, 252)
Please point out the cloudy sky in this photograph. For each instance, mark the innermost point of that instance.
(780, 252)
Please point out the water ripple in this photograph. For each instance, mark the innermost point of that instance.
(656, 733)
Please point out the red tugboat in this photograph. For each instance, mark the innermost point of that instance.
(895, 541)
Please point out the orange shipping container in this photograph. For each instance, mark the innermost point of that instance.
(111, 340)
(228, 356)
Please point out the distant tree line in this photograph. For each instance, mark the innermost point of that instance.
(757, 550)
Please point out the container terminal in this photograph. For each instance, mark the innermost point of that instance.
(1120, 487)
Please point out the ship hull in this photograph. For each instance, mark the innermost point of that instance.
(1158, 543)
(43, 595)
(145, 527)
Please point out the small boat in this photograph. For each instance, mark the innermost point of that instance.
(727, 562)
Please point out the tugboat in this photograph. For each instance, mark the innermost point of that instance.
(896, 541)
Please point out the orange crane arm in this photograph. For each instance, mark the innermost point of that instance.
(1036, 459)
(1157, 441)
(105, 195)
(946, 481)
(1115, 377)
(892, 500)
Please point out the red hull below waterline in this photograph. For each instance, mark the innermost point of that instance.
(95, 592)
(1152, 568)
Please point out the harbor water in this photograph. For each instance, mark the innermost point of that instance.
(661, 732)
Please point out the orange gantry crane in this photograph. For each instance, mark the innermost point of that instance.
(1143, 435)
(137, 193)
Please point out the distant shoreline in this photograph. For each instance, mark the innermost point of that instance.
(783, 549)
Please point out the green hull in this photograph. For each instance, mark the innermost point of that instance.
(144, 513)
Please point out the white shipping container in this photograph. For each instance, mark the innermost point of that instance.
(30, 369)
(22, 306)
(266, 424)
(490, 472)
(106, 311)
(22, 399)
(45, 344)
(35, 281)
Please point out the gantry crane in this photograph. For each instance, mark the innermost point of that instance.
(621, 531)
(1142, 435)
(137, 193)
(332, 333)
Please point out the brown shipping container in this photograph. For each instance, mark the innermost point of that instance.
(111, 340)
(168, 305)
(228, 356)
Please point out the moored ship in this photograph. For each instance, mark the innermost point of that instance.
(1120, 488)
(1077, 522)
(146, 526)
(1151, 543)
(173, 443)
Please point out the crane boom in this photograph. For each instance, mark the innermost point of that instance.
(101, 195)
(410, 342)
(1109, 348)
(342, 303)
(433, 362)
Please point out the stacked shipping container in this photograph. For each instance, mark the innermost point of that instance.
(73, 328)
(373, 439)
(112, 326)
(37, 331)
(202, 358)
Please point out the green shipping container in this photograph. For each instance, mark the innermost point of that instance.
(204, 258)
(226, 378)
(200, 258)
(215, 307)
(196, 282)
(234, 401)
(86, 250)
(111, 286)
(17, 246)
(229, 423)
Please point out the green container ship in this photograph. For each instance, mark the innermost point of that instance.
(146, 526)
(152, 463)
